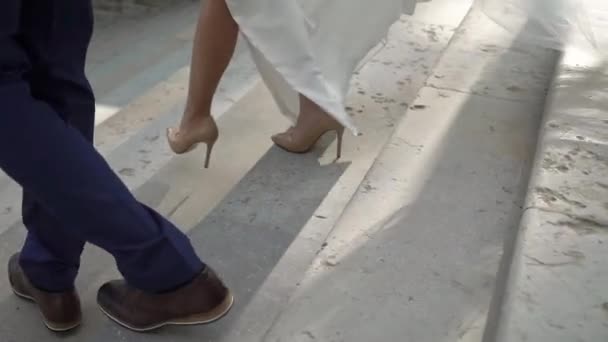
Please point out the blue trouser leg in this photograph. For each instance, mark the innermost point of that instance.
(71, 194)
(56, 77)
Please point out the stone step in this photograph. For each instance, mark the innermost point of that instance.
(555, 288)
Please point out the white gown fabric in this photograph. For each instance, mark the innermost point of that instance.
(312, 47)
(554, 23)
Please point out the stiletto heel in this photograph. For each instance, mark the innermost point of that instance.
(208, 155)
(340, 136)
(182, 142)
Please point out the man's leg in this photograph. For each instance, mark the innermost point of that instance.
(56, 164)
(51, 256)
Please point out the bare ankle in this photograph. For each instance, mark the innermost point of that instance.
(193, 119)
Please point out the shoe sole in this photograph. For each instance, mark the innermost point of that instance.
(200, 319)
(49, 325)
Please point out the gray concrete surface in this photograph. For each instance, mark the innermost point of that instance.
(557, 286)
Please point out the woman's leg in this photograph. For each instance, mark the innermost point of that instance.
(214, 44)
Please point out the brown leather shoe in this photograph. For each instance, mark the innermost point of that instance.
(60, 311)
(204, 300)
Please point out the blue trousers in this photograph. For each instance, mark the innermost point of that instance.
(71, 196)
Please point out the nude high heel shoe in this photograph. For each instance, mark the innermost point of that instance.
(300, 139)
(186, 140)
